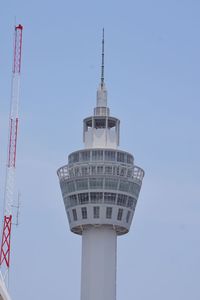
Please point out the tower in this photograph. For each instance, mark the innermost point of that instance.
(9, 192)
(100, 187)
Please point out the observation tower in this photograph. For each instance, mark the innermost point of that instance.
(100, 187)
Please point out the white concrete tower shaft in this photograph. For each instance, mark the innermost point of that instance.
(100, 187)
(98, 270)
(99, 244)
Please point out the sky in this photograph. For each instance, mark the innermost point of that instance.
(152, 73)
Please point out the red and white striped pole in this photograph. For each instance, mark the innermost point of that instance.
(12, 150)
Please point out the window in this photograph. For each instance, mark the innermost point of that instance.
(131, 202)
(124, 185)
(83, 198)
(72, 200)
(123, 172)
(109, 155)
(63, 186)
(137, 190)
(82, 184)
(75, 157)
(70, 159)
(84, 212)
(120, 213)
(129, 159)
(96, 211)
(97, 155)
(131, 188)
(74, 214)
(69, 218)
(108, 170)
(77, 171)
(96, 183)
(93, 170)
(89, 122)
(111, 183)
(111, 123)
(99, 169)
(100, 123)
(84, 171)
(121, 200)
(109, 198)
(96, 197)
(134, 189)
(70, 187)
(71, 172)
(85, 156)
(66, 202)
(128, 216)
(116, 171)
(108, 212)
(129, 173)
(120, 156)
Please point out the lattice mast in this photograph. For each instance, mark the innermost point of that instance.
(12, 151)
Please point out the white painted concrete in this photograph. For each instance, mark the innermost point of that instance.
(98, 274)
(102, 96)
(101, 138)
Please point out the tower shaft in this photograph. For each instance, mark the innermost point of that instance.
(98, 270)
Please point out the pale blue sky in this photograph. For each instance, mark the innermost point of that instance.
(152, 74)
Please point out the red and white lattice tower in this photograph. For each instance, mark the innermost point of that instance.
(11, 156)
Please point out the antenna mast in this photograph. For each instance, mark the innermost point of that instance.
(102, 62)
(11, 155)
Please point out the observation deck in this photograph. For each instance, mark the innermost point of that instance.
(100, 187)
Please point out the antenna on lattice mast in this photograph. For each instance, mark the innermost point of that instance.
(11, 155)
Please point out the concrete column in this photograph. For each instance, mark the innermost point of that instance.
(98, 274)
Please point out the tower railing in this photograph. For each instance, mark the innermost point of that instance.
(83, 170)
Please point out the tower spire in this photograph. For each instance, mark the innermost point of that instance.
(102, 61)
(102, 92)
